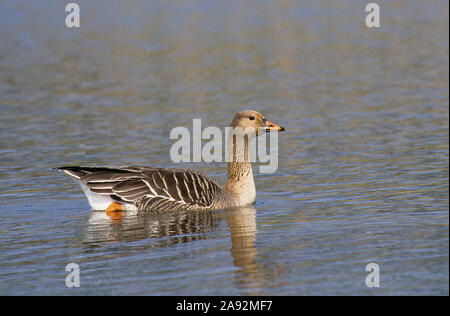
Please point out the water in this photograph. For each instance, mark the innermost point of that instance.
(363, 166)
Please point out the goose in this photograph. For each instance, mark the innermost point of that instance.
(149, 188)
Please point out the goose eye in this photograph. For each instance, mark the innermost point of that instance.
(251, 118)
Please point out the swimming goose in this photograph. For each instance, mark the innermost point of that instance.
(148, 188)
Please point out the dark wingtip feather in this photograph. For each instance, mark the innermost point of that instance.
(74, 171)
(71, 168)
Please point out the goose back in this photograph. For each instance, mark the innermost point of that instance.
(153, 188)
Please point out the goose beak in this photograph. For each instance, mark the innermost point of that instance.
(270, 127)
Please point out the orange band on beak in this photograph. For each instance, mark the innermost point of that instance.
(273, 127)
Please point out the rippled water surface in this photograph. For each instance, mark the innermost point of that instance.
(363, 167)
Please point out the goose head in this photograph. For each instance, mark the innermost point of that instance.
(254, 123)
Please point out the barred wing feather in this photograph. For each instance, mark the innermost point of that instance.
(150, 188)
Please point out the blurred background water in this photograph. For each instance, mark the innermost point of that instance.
(363, 166)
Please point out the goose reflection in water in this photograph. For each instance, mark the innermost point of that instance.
(242, 225)
(169, 228)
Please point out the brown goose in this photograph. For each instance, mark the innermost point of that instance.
(147, 188)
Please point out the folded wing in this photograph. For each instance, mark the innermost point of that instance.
(150, 188)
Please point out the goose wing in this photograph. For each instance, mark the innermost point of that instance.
(150, 188)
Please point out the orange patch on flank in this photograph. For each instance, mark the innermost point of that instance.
(114, 211)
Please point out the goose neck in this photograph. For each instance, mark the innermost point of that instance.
(240, 185)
